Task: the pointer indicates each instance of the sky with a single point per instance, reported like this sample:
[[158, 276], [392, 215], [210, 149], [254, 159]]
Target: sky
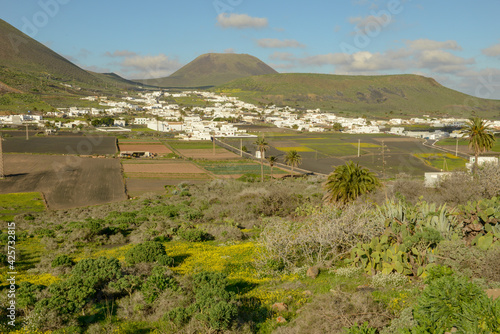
[[456, 42]]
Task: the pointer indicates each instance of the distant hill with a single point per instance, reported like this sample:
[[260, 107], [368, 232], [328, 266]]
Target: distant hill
[[213, 69], [379, 96], [28, 65], [22, 53]]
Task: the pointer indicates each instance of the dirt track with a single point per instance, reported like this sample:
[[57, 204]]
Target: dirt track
[[65, 181]]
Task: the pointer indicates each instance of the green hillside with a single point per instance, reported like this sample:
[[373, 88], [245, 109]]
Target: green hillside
[[380, 96], [20, 52], [33, 76], [213, 69]]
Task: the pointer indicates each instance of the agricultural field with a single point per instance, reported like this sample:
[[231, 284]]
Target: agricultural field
[[463, 145], [322, 152], [142, 176], [444, 161], [152, 147], [60, 144], [19, 203], [236, 169], [65, 181], [201, 150]]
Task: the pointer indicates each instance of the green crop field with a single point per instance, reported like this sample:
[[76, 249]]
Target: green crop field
[[17, 203], [465, 142], [444, 161], [223, 168]]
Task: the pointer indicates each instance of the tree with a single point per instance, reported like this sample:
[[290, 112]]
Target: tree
[[349, 181], [480, 138], [293, 159], [262, 146], [272, 160]]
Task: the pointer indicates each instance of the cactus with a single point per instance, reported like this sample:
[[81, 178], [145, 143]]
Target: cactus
[[480, 218]]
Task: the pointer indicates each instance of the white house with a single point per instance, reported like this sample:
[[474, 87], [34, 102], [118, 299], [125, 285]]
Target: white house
[[433, 179], [481, 161]]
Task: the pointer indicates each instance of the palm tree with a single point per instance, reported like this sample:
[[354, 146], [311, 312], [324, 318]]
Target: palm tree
[[349, 181], [272, 160], [293, 159], [479, 136], [262, 146]]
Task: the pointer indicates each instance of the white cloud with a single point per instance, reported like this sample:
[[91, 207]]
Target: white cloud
[[484, 83], [277, 43], [283, 56], [427, 44], [441, 61], [120, 53], [147, 67], [492, 51], [229, 50], [371, 25], [240, 21], [96, 69]]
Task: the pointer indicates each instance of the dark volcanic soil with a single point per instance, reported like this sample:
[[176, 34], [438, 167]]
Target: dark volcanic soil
[[65, 181]]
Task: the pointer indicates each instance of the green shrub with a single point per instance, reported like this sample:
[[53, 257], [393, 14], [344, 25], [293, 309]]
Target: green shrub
[[178, 315], [157, 282], [193, 234], [165, 260], [88, 278], [26, 294], [445, 300], [216, 305], [62, 260], [3, 259], [148, 252], [363, 329]]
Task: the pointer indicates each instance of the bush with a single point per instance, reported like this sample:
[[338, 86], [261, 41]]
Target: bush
[[165, 260], [444, 302], [62, 260], [363, 329], [179, 316], [215, 305], [321, 237], [159, 280], [193, 234], [148, 251]]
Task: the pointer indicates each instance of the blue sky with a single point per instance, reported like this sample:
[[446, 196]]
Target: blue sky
[[456, 42]]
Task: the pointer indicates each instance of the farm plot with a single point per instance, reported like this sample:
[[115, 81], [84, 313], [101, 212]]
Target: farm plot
[[65, 181], [77, 145], [443, 161], [145, 147], [322, 152], [162, 168], [152, 176], [202, 150], [17, 203], [463, 145], [237, 169]]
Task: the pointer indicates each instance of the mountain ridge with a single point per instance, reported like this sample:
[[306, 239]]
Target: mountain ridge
[[212, 69], [377, 95]]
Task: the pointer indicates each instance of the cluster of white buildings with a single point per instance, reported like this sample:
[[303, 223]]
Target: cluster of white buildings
[[202, 122]]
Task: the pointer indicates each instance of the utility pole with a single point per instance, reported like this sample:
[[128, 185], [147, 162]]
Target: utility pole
[[383, 159], [241, 147], [213, 141], [456, 148], [383, 169], [359, 147], [27, 138], [2, 175]]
